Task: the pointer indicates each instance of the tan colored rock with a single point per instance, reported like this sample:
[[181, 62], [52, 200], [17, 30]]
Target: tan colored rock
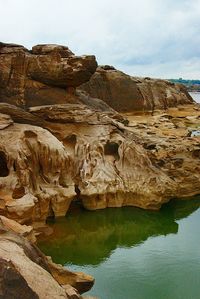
[[96, 159], [22, 230], [109, 168], [28, 273], [125, 93], [5, 121], [83, 149], [35, 175], [46, 49], [79, 280], [166, 137]]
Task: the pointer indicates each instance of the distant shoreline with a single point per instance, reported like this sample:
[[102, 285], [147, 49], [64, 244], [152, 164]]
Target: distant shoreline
[[191, 85]]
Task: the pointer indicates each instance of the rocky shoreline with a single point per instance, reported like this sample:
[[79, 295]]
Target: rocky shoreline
[[73, 131]]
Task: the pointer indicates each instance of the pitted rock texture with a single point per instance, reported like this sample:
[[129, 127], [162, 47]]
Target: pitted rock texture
[[127, 94], [25, 272], [87, 155], [35, 174]]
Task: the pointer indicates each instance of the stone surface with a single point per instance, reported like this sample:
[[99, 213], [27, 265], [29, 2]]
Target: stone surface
[[5, 121], [35, 174], [60, 144], [169, 145], [87, 155], [84, 150], [28, 273], [125, 93], [22, 230], [47, 74]]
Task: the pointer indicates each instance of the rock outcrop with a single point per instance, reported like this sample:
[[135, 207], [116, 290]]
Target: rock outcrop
[[129, 94], [44, 75], [40, 173], [25, 272], [81, 149], [62, 140]]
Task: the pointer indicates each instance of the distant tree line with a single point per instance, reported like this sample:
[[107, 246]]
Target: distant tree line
[[192, 85]]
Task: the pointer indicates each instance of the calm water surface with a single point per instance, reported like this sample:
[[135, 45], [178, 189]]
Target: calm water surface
[[196, 96], [133, 254]]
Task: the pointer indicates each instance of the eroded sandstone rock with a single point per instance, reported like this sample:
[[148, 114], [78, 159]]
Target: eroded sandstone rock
[[48, 72], [84, 150], [125, 93], [35, 175], [92, 157], [25, 272]]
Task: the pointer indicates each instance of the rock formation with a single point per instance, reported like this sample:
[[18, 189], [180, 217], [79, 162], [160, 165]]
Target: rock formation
[[62, 139], [81, 149], [129, 94], [28, 273], [46, 75]]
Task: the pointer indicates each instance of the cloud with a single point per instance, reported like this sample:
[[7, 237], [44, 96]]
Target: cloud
[[142, 37]]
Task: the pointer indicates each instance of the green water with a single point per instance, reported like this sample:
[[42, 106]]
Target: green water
[[133, 254]]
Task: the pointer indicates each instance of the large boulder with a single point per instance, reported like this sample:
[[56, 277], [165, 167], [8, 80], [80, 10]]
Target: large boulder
[[125, 93], [45, 72]]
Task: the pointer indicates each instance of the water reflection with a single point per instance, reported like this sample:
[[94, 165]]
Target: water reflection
[[88, 238]]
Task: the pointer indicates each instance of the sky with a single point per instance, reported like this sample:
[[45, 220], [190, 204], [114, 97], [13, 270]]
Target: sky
[[155, 38]]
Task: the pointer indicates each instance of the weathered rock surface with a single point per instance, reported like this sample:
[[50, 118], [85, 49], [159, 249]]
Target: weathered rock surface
[[35, 174], [92, 154], [44, 75], [125, 93], [26, 273], [84, 150], [59, 144]]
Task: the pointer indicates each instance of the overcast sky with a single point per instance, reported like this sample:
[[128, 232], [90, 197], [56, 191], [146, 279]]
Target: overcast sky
[[158, 38]]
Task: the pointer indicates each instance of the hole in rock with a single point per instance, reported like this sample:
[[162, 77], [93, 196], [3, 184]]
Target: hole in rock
[[196, 153], [111, 149], [30, 134], [76, 203], [4, 171], [18, 192], [14, 166], [149, 146], [70, 141], [51, 214]]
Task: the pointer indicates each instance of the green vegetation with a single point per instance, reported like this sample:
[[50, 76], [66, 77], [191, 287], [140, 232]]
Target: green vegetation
[[193, 85]]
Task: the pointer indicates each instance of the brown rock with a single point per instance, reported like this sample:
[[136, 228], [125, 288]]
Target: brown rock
[[46, 71], [125, 93], [13, 284], [80, 281], [5, 121], [46, 49], [61, 72], [21, 273], [83, 149]]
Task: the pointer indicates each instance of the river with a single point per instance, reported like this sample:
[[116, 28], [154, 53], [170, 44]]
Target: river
[[195, 96], [132, 253]]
